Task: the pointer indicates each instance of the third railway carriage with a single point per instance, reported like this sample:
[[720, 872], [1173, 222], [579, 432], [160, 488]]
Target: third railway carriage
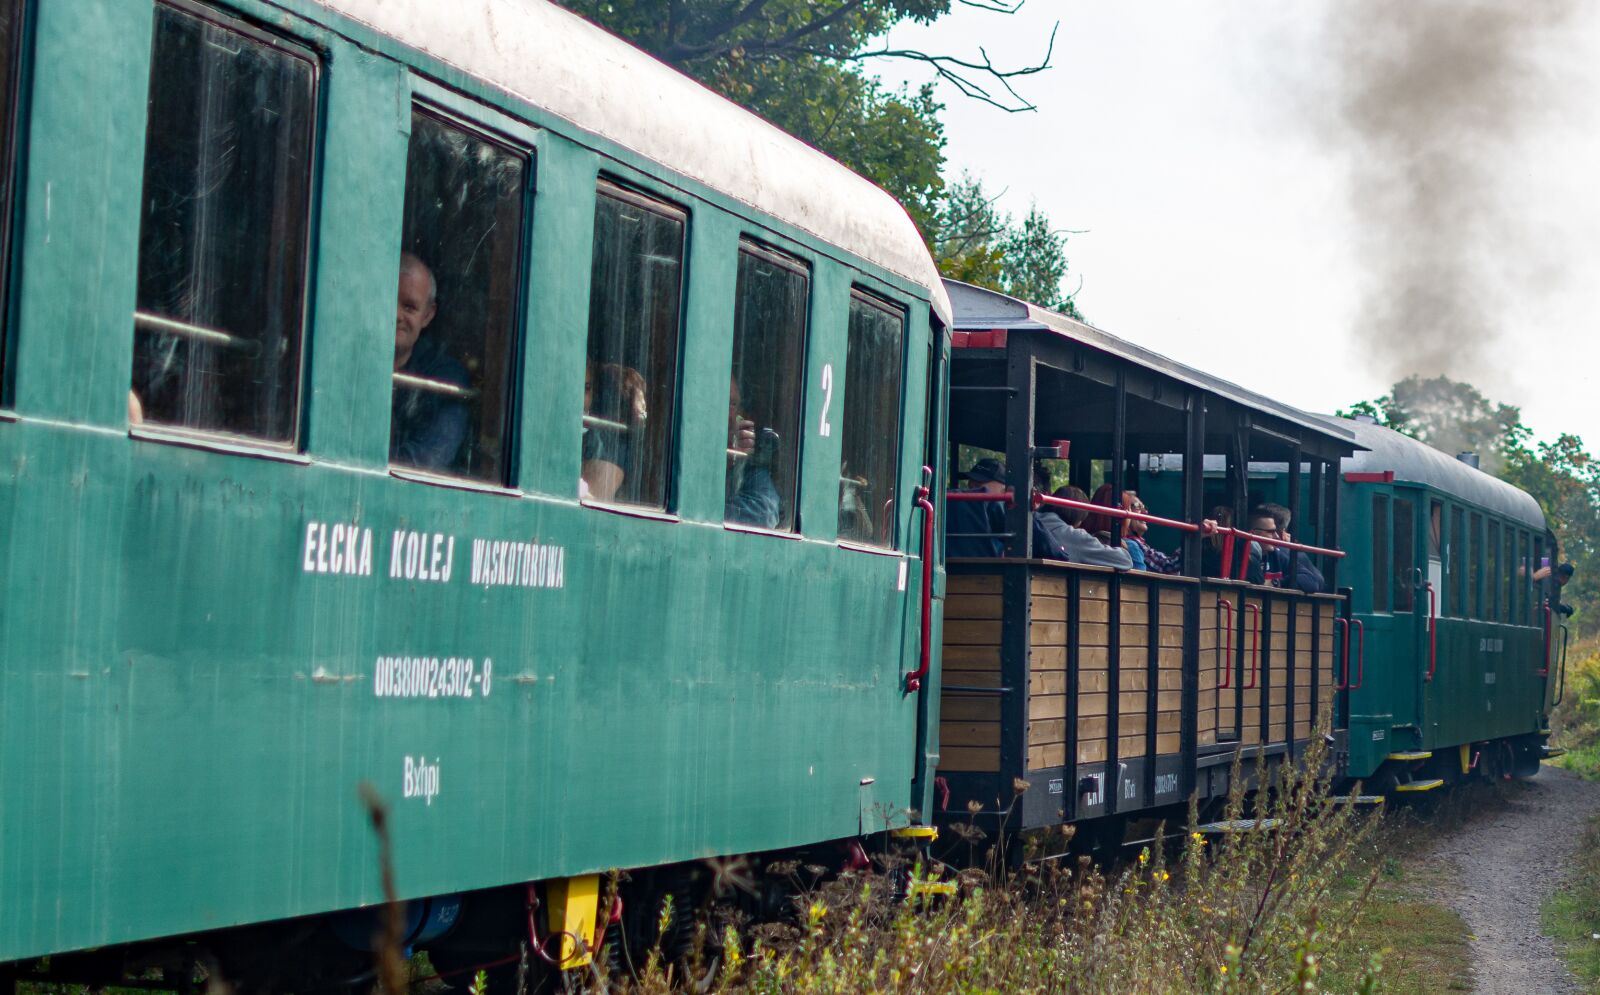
[[1460, 648]]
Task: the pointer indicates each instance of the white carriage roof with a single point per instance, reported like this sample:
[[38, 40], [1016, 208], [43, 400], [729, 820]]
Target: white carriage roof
[[1419, 463], [559, 62]]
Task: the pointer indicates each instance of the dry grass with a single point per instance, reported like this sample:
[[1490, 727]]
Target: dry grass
[[1267, 910]]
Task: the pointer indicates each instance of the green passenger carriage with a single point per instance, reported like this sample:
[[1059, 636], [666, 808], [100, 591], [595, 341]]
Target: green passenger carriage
[[1460, 663], [532, 579]]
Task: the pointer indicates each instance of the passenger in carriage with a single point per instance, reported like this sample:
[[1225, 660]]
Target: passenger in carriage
[[1115, 531], [1211, 552], [1155, 560], [1273, 520], [752, 497], [614, 409], [426, 427], [972, 527], [1060, 536]]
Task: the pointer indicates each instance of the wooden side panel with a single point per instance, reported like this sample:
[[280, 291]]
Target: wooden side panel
[[1218, 709], [1277, 664], [1094, 672], [1133, 662], [969, 723], [1250, 713], [1047, 671]]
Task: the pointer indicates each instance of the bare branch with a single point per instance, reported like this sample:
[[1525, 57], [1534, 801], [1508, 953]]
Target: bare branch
[[965, 75], [998, 6]]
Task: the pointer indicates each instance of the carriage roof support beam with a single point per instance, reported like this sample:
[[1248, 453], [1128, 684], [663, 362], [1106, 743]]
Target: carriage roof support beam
[[1022, 376], [1194, 480], [1119, 440]]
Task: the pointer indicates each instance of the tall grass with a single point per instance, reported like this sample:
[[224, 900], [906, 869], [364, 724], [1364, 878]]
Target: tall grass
[[1575, 726], [1258, 910]]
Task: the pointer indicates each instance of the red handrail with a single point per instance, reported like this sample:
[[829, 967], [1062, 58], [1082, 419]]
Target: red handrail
[[1549, 617], [1361, 656], [1433, 630], [1227, 555], [1008, 497], [1255, 646], [914, 679], [1100, 509], [1286, 544], [1344, 681], [1227, 670]]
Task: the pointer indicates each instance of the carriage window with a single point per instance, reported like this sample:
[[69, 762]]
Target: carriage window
[[1508, 580], [222, 240], [630, 383], [764, 393], [1491, 580], [1455, 560], [1405, 559], [1524, 582], [1380, 553], [10, 52], [1536, 588], [456, 312], [870, 422], [1435, 520], [1474, 578]]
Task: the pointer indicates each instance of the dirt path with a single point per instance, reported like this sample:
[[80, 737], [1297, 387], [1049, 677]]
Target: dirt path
[[1506, 860]]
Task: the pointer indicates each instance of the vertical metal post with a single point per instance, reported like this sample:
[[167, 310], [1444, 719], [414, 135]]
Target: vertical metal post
[[1021, 373], [1294, 514], [1330, 538], [1194, 481], [1152, 689], [1113, 687], [1021, 377], [1070, 808], [1239, 491], [1189, 728], [1119, 447]]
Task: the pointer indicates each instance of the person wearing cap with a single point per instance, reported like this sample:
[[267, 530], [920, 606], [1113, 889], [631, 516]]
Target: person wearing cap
[[973, 528]]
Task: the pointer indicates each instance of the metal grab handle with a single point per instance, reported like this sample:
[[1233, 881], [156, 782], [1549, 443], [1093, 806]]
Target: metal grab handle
[[1255, 646], [1227, 656], [1549, 618], [1433, 631], [1561, 687], [1344, 681], [1361, 655], [914, 679]]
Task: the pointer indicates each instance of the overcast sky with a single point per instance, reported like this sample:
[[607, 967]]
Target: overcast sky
[[1314, 198]]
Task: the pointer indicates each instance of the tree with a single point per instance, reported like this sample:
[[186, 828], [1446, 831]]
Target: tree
[[975, 242], [1452, 417], [797, 63]]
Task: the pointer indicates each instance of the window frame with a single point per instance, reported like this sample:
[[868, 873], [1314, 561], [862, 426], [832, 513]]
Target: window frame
[[294, 449], [1406, 581], [762, 246], [1382, 533], [641, 192], [12, 174], [885, 301], [1492, 568], [471, 115]]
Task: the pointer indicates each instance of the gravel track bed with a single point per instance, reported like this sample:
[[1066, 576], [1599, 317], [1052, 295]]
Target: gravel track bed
[[1506, 860]]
